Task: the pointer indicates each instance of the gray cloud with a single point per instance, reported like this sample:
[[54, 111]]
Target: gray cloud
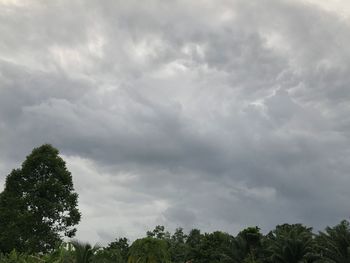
[[193, 114]]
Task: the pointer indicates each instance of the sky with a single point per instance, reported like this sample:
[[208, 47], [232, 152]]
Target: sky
[[215, 115]]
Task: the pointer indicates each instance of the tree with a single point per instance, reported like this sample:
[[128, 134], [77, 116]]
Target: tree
[[177, 247], [107, 255], [14, 257], [63, 254], [84, 252], [159, 232], [38, 205], [216, 247], [292, 244], [247, 245], [122, 246], [193, 243], [149, 250], [334, 243]]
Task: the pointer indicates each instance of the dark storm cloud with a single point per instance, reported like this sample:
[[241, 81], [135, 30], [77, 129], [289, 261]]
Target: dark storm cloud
[[195, 114]]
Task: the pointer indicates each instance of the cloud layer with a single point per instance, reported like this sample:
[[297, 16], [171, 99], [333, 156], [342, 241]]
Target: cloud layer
[[216, 115]]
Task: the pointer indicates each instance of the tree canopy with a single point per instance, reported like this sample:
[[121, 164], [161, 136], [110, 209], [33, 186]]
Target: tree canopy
[[38, 205], [149, 250]]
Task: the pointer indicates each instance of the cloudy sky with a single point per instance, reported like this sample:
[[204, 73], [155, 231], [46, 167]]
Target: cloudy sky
[[209, 114]]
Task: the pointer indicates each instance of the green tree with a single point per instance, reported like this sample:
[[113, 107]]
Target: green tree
[[334, 243], [122, 246], [193, 243], [292, 244], [216, 247], [149, 250], [84, 252], [240, 250], [13, 257], [159, 232], [177, 246], [247, 245], [38, 205], [62, 254], [107, 255]]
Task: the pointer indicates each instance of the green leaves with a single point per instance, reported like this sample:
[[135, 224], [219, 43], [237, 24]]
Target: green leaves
[[334, 243], [285, 244], [291, 244], [84, 252], [38, 205], [120, 246], [149, 250]]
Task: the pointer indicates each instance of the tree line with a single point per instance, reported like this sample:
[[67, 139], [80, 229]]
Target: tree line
[[38, 211], [287, 243]]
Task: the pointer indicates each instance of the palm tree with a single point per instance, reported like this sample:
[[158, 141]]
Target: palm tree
[[84, 252], [334, 244], [63, 254], [247, 245], [291, 244]]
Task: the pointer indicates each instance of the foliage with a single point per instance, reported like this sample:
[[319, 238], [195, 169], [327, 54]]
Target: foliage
[[84, 252], [292, 244], [38, 204], [63, 254], [120, 246], [193, 243], [334, 243], [149, 250], [247, 245], [178, 249], [38, 207], [108, 256], [216, 247], [15, 257], [159, 232], [285, 244]]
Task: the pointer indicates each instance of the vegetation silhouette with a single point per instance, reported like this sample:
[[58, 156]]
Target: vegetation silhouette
[[38, 208]]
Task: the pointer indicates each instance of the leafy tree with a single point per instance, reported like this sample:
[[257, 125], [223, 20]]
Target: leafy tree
[[209, 247], [122, 246], [38, 205], [292, 244], [149, 250], [179, 236], [216, 247], [247, 245], [193, 243], [159, 232], [240, 250], [334, 243], [177, 246]]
